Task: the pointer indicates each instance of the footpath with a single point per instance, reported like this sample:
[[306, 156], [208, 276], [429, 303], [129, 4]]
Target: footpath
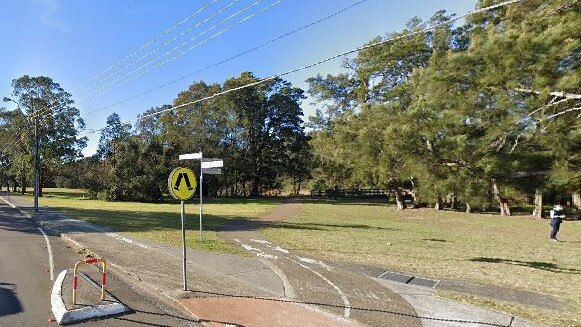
[[273, 287]]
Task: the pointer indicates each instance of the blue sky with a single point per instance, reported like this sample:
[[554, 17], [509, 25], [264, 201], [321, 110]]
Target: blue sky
[[74, 41]]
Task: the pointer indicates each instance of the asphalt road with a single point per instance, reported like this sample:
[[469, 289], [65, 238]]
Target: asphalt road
[[25, 280]]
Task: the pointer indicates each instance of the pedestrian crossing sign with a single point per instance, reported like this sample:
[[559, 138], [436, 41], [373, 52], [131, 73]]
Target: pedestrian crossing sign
[[182, 183]]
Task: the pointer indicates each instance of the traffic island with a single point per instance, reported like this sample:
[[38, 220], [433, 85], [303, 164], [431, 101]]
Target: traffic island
[[91, 301]]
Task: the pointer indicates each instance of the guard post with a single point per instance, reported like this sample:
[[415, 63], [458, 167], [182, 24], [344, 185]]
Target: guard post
[[103, 276]]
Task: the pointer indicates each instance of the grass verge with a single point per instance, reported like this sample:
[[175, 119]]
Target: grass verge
[[159, 222]]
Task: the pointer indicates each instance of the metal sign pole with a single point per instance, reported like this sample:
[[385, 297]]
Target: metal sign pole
[[183, 214], [201, 202]]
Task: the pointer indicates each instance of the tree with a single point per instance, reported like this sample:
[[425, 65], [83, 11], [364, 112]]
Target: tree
[[268, 117], [114, 130], [366, 134], [46, 104]]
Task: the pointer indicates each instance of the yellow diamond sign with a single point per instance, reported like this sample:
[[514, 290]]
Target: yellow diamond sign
[[182, 183]]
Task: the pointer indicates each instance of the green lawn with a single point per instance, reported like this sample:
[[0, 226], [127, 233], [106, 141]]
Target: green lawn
[[159, 222], [512, 252]]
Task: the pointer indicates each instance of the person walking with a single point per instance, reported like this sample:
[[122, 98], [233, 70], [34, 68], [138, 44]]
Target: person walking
[[557, 216]]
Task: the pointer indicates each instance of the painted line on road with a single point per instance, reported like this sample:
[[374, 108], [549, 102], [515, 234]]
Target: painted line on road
[[346, 304], [49, 249], [315, 262], [26, 214], [288, 290]]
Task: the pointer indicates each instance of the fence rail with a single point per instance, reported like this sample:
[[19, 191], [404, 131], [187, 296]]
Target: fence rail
[[349, 192]]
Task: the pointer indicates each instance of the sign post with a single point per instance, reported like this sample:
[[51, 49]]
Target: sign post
[[182, 185], [201, 194], [207, 166]]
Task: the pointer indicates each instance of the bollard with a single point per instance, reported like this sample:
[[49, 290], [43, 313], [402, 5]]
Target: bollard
[[103, 276]]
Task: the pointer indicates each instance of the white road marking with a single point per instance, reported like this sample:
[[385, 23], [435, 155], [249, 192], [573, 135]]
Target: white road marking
[[315, 262], [289, 292], [325, 313], [126, 240], [279, 249], [346, 304], [266, 256], [259, 253], [248, 247], [50, 258], [260, 241]]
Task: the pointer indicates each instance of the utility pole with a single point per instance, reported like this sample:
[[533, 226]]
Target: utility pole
[[36, 157], [36, 161]]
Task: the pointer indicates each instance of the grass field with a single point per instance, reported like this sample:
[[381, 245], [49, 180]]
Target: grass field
[[159, 222], [512, 252]]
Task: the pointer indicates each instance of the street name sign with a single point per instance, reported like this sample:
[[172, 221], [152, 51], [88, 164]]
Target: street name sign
[[212, 171], [213, 164], [189, 156]]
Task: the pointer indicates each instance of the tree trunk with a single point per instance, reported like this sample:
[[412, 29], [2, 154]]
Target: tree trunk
[[502, 201], [23, 183], [400, 203], [577, 200], [414, 193], [255, 187], [299, 187], [438, 205], [506, 209], [452, 201], [468, 208], [538, 212]]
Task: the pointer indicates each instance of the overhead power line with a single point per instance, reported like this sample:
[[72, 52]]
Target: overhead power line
[[170, 41], [155, 39], [278, 38], [126, 78], [343, 54]]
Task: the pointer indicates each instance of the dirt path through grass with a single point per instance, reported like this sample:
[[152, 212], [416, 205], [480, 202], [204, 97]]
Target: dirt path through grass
[[284, 211]]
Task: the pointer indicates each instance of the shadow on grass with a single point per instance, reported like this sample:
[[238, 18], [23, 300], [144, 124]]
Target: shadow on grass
[[375, 201], [146, 221], [141, 221], [531, 264], [314, 226]]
